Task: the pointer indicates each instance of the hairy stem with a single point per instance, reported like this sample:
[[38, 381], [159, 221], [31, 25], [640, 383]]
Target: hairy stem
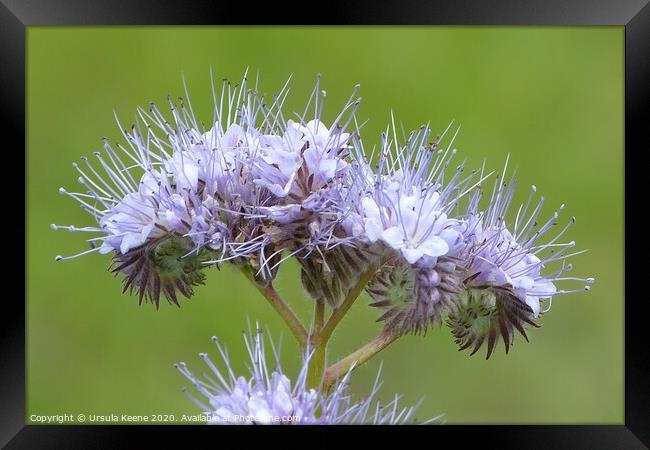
[[357, 358], [282, 308]]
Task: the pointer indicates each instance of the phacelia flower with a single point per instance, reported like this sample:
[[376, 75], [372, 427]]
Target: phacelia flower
[[304, 165], [246, 190], [255, 188], [508, 265], [402, 208], [403, 204], [269, 397]]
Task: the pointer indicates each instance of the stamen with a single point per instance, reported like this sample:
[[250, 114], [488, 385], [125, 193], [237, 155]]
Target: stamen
[[64, 258]]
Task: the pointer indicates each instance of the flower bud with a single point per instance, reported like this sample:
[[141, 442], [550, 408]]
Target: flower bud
[[330, 275], [487, 315], [166, 265], [412, 297]]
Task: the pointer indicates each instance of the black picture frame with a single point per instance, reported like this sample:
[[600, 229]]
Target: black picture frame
[[634, 15]]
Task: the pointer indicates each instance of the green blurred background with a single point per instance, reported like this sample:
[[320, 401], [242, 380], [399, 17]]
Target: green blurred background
[[551, 97]]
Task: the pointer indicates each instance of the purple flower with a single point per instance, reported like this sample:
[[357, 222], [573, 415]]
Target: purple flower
[[268, 397], [304, 160], [507, 269], [515, 260], [247, 190], [400, 210], [404, 202], [256, 188], [176, 182]]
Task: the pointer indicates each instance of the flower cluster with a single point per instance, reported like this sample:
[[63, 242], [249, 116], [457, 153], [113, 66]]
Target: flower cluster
[[255, 188], [269, 397], [179, 198]]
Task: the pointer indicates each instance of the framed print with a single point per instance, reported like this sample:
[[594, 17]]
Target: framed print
[[384, 216]]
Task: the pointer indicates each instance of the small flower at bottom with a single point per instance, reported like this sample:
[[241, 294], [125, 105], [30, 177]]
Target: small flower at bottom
[[269, 397]]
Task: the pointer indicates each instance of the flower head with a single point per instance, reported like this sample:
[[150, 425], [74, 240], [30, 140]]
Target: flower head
[[510, 264], [268, 396], [401, 210], [176, 191], [249, 188], [255, 188], [304, 165], [403, 203]]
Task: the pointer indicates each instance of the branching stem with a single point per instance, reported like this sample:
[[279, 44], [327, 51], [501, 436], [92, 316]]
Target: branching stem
[[358, 357], [283, 309], [316, 341]]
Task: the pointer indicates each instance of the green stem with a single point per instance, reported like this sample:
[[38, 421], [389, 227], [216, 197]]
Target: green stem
[[357, 358], [349, 300], [317, 360], [285, 311], [322, 333], [319, 315], [316, 366]]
